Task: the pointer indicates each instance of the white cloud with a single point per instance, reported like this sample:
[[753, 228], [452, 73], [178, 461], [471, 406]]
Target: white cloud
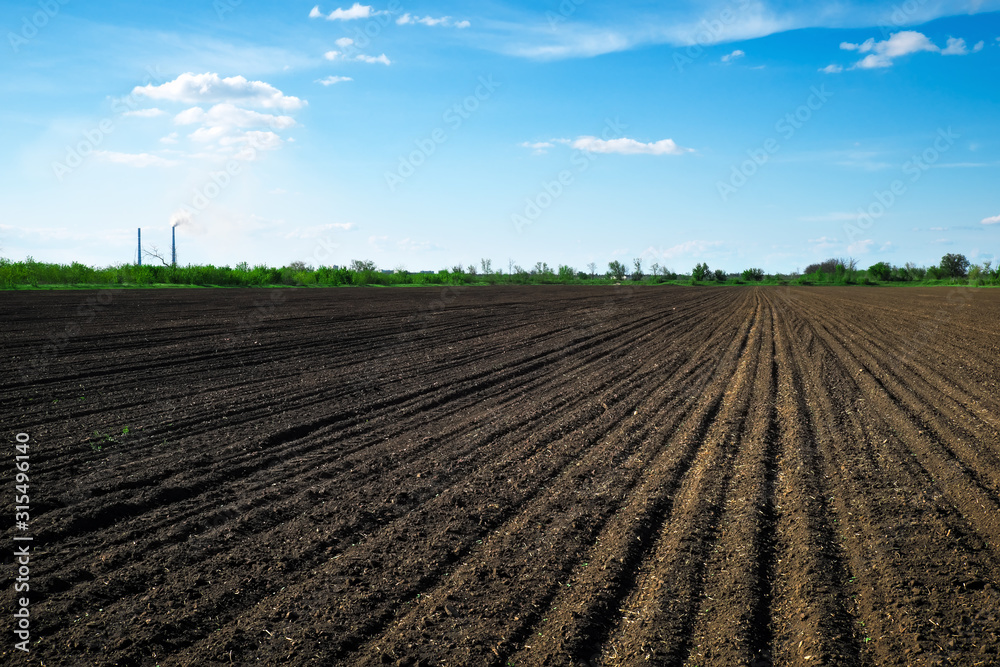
[[229, 115], [145, 113], [693, 26], [356, 11], [138, 160], [625, 146], [824, 240], [444, 21], [317, 231], [335, 55], [260, 139], [169, 139], [832, 69], [687, 249], [887, 247], [538, 147], [979, 46], [861, 247], [240, 132], [209, 87], [375, 59], [412, 245], [956, 47], [991, 221], [331, 80], [881, 54], [344, 42], [735, 55]]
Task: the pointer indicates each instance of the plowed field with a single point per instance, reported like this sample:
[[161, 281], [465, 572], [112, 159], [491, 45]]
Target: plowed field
[[503, 476]]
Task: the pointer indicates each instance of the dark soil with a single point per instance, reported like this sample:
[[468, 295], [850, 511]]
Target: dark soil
[[507, 476]]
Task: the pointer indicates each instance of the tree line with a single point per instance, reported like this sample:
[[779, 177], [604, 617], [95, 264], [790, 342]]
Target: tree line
[[953, 268]]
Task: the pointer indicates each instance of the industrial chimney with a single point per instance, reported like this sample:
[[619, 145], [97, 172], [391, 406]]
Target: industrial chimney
[[140, 247], [173, 246]]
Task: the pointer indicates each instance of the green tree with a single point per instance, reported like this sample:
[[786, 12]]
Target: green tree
[[753, 275], [880, 271], [616, 270], [700, 272], [637, 272], [542, 269], [954, 266]]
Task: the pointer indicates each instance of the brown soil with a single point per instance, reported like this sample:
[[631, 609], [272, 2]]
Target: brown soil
[[502, 476]]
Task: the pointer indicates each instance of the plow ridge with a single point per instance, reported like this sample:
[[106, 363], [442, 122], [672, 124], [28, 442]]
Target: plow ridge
[[541, 476]]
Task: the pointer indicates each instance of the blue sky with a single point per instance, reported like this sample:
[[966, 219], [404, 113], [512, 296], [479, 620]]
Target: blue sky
[[426, 134]]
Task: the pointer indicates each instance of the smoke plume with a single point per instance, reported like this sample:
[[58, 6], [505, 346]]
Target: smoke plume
[[181, 217]]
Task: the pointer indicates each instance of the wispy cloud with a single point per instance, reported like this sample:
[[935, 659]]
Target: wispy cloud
[[991, 221], [373, 60], [331, 80], [861, 247], [735, 55], [337, 55], [626, 146], [696, 248], [144, 113], [538, 147], [698, 25], [317, 231], [138, 160], [824, 243], [444, 21], [230, 115]]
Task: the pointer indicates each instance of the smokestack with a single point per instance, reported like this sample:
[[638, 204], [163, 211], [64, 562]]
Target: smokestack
[[173, 246], [140, 246]]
